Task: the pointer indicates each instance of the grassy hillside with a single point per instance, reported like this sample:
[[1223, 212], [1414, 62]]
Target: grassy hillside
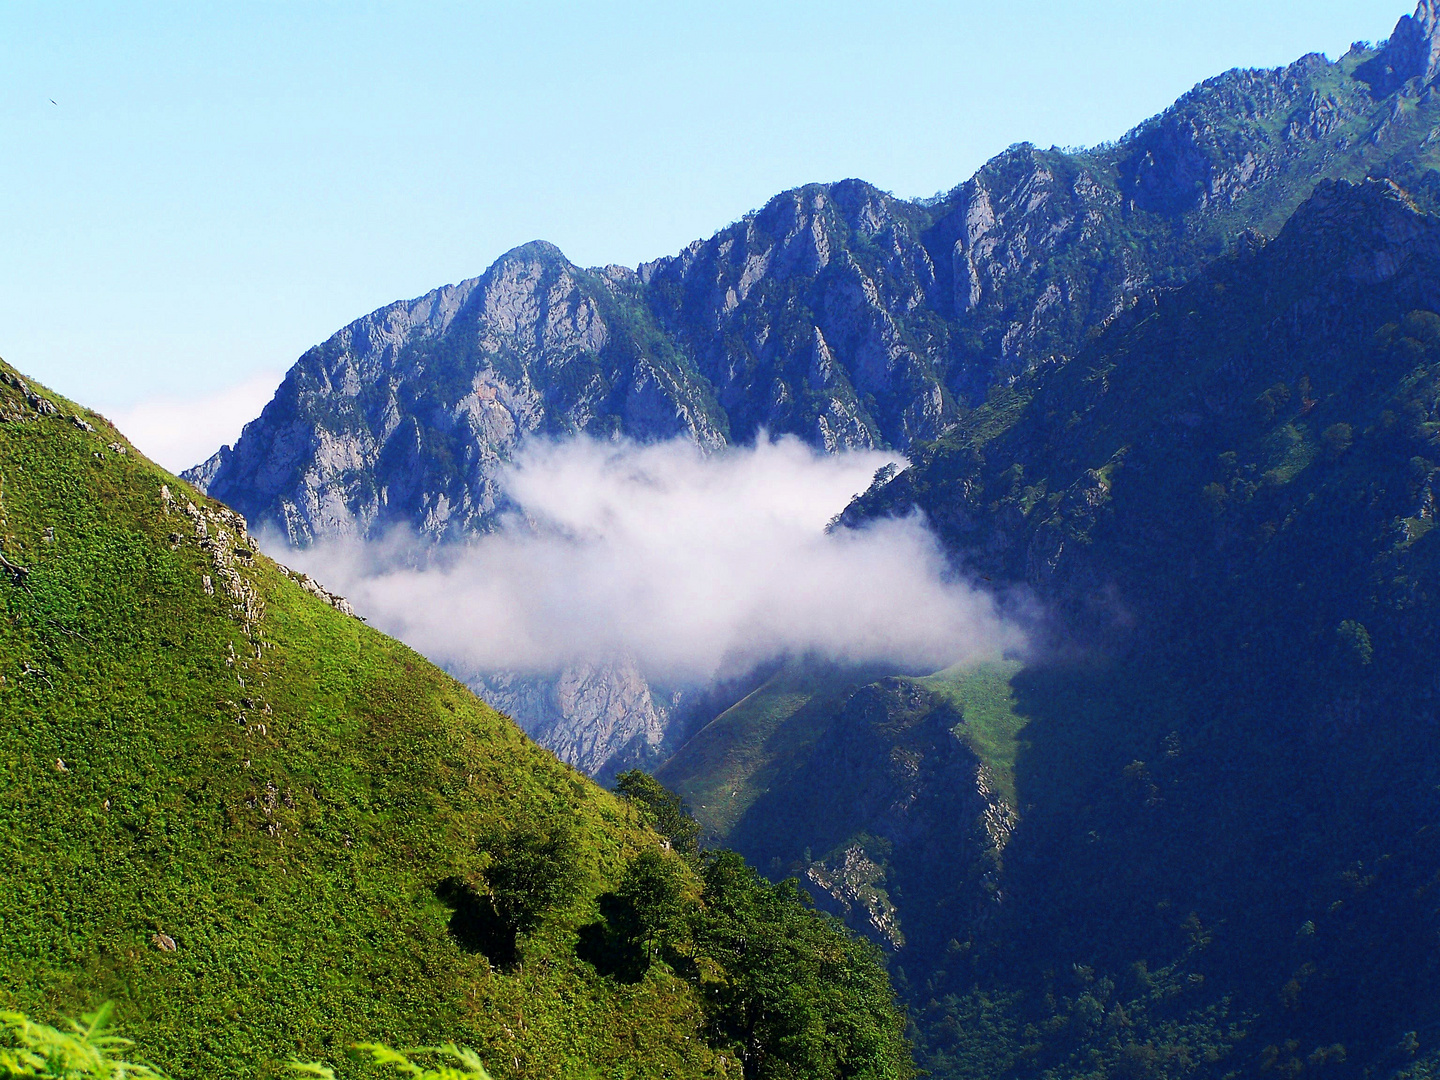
[[755, 748], [228, 806], [982, 694], [742, 753]]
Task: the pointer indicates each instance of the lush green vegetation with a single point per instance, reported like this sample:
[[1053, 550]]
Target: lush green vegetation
[[264, 830], [88, 1050], [830, 1016], [791, 994], [664, 811], [469, 1066], [982, 694], [236, 827]]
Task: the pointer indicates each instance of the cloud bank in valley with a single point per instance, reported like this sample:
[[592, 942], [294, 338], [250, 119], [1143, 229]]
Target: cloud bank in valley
[[692, 564]]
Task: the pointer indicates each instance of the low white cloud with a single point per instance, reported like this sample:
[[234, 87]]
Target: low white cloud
[[179, 432], [692, 564]]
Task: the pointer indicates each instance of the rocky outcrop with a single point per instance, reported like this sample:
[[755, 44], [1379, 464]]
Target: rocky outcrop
[[598, 717], [1413, 52], [809, 317], [406, 415], [854, 883]]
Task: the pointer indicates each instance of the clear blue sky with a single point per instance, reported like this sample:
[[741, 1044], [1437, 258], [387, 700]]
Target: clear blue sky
[[219, 186]]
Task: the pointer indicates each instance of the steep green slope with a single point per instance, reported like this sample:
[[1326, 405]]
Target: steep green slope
[[725, 766], [228, 806], [755, 746]]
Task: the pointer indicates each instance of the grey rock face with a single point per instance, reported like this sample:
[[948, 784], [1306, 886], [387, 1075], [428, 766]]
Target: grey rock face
[[809, 317], [854, 883], [405, 415], [203, 475], [597, 717]]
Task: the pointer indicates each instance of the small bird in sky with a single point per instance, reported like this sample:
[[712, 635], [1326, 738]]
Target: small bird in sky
[[53, 101]]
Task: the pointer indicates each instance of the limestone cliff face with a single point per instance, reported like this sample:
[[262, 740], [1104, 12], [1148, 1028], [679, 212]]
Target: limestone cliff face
[[404, 416], [810, 316], [600, 718]]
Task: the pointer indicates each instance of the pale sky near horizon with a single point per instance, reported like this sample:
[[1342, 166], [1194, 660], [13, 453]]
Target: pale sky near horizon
[[216, 187]]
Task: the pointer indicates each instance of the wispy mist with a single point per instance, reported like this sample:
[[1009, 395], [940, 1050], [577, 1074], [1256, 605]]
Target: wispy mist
[[691, 564]]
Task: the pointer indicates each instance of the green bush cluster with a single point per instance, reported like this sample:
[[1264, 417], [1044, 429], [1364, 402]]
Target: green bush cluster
[[786, 991]]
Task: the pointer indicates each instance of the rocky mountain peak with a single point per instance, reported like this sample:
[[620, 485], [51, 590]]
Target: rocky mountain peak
[[1413, 51], [540, 252]]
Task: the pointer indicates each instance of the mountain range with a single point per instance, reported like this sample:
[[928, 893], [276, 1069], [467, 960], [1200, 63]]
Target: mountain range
[[1181, 390], [836, 313]]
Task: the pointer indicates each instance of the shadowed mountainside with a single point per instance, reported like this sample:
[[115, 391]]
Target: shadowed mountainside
[[1227, 776]]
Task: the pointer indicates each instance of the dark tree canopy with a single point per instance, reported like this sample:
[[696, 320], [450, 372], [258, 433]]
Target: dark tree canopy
[[532, 869], [801, 996]]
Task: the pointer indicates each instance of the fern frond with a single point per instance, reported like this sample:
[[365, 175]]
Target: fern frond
[[311, 1068]]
